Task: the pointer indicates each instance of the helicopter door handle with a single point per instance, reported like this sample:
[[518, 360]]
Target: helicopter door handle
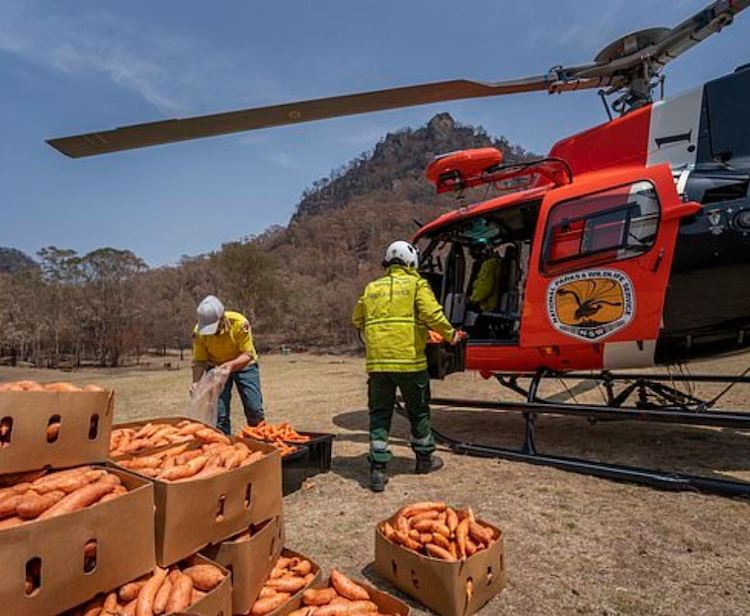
[[659, 259]]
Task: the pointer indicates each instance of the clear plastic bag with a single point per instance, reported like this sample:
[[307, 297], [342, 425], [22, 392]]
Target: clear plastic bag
[[204, 397]]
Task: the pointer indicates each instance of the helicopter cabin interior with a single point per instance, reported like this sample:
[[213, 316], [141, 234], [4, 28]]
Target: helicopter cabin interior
[[454, 256], [590, 230]]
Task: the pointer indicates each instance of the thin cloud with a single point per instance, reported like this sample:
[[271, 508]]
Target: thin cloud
[[135, 57]]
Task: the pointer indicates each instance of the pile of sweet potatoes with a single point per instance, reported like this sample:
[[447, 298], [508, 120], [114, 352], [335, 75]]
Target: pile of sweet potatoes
[[439, 531], [124, 441], [40, 495], [289, 576], [34, 386], [342, 598], [163, 591], [181, 462]]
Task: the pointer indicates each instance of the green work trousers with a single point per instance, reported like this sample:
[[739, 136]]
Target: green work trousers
[[415, 390]]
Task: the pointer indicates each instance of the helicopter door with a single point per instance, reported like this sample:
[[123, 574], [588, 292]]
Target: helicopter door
[[600, 265]]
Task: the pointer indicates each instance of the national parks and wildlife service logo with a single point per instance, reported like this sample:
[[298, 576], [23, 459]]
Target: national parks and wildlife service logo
[[592, 304]]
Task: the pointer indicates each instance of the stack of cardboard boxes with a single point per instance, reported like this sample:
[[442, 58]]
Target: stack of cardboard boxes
[[231, 519]]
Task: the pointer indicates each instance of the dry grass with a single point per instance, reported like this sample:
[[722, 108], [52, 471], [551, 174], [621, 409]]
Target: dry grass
[[575, 544]]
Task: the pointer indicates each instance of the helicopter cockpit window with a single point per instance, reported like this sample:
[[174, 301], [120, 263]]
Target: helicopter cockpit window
[[611, 225]]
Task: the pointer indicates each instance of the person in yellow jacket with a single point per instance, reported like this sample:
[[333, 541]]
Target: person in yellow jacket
[[484, 291], [394, 315], [223, 340]]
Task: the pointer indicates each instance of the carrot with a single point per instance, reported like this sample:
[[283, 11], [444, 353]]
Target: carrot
[[182, 592], [319, 597], [33, 504], [205, 577], [346, 587], [83, 497], [437, 552], [145, 602], [269, 604]]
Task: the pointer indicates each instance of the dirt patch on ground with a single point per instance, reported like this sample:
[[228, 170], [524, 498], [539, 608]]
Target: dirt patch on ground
[[575, 544]]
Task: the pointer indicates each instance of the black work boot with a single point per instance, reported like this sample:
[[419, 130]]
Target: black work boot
[[378, 477], [427, 463]]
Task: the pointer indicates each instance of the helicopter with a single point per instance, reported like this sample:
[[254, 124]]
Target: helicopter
[[627, 246]]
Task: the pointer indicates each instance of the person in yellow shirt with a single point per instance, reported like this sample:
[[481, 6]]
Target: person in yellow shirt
[[484, 291], [395, 314], [223, 339]]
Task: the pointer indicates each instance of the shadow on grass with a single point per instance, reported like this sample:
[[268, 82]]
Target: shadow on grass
[[357, 468]]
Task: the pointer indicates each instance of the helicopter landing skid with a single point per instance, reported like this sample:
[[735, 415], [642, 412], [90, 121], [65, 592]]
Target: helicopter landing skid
[[676, 407]]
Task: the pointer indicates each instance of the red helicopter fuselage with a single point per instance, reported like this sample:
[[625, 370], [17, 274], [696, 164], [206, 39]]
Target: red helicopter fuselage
[[640, 256]]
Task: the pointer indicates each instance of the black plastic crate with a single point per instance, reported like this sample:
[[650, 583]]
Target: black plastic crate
[[320, 452], [295, 469]]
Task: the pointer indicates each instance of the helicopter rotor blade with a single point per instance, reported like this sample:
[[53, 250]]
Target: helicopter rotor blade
[[168, 131]]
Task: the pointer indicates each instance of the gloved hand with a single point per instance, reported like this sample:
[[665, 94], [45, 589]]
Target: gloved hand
[[458, 336]]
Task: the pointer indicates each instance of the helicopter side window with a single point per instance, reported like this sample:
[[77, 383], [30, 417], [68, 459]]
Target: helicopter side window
[[611, 225]]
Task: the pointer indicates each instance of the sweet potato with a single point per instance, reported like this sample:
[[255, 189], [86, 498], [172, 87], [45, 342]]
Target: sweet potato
[[303, 611], [269, 604], [290, 584], [182, 592], [480, 534], [9, 503], [416, 508], [437, 552], [83, 497], [406, 541], [302, 568], [205, 577], [33, 504], [60, 387], [53, 431], [388, 530], [145, 602], [451, 519], [130, 591], [346, 588], [110, 602], [185, 471], [319, 597], [265, 592], [162, 595], [10, 522], [462, 532], [440, 540], [93, 388], [425, 515]]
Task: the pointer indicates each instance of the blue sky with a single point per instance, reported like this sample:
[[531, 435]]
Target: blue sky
[[78, 66]]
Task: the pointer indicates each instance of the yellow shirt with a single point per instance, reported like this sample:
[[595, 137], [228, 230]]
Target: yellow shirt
[[227, 344]]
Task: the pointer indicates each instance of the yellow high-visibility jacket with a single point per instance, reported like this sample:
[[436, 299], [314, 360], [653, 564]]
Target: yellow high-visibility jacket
[[395, 312], [235, 338], [484, 290]]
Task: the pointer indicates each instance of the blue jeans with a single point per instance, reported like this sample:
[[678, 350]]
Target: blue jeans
[[248, 386]]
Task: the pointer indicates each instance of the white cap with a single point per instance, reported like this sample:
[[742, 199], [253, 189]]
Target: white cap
[[210, 311]]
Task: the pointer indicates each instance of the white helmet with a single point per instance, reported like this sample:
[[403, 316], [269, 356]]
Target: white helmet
[[402, 252]]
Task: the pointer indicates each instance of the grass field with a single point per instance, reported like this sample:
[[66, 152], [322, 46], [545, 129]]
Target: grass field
[[575, 544]]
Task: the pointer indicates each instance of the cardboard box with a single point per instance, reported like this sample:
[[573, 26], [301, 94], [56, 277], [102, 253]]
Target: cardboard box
[[439, 584], [123, 529], [295, 601], [387, 604], [85, 422], [192, 514], [216, 603], [249, 561]]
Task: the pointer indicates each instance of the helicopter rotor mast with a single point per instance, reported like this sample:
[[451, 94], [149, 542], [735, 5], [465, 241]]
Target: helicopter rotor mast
[[629, 68]]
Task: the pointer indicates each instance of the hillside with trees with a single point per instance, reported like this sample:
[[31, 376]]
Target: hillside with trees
[[297, 283]]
